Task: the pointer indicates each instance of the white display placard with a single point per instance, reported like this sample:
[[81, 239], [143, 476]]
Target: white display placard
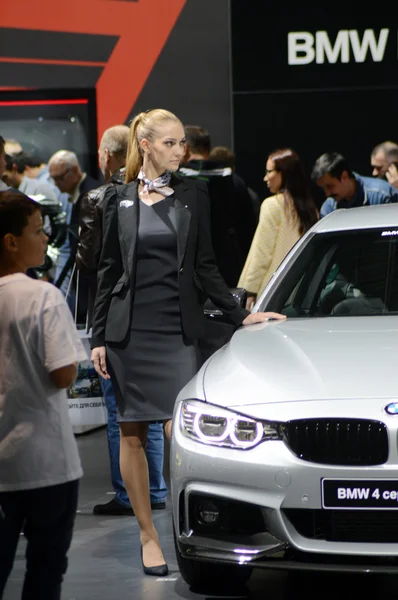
[[87, 409]]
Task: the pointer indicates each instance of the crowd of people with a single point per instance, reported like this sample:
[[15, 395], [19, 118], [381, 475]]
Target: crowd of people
[[171, 225]]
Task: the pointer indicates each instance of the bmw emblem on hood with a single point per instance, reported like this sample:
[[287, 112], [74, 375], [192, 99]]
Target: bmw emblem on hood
[[392, 408]]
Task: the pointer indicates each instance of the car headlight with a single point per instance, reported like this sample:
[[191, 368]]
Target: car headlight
[[217, 426]]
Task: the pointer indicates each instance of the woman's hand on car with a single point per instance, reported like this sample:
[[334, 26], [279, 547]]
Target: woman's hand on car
[[98, 357], [262, 317]]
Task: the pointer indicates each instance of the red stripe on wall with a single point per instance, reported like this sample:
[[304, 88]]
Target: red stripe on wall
[[42, 102], [51, 61]]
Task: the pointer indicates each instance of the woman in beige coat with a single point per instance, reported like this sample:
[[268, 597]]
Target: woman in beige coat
[[284, 218]]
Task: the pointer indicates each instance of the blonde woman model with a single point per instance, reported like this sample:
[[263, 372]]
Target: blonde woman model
[[156, 267]]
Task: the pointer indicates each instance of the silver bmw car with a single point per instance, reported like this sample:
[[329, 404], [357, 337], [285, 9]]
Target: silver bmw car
[[285, 444]]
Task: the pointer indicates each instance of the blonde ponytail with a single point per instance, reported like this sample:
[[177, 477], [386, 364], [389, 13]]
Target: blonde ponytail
[[143, 126], [134, 157]]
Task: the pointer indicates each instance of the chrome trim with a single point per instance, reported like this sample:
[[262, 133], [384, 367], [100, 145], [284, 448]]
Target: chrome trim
[[257, 546], [279, 555]]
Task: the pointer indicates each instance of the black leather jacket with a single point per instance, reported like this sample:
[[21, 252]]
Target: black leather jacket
[[90, 234]]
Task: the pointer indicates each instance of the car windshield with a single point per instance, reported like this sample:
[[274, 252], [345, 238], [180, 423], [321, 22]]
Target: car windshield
[[352, 273]]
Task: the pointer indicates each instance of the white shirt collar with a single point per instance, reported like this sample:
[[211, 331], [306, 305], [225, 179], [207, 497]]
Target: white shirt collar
[[75, 196]]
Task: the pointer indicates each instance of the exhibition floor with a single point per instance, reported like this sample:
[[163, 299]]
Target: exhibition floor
[[104, 561]]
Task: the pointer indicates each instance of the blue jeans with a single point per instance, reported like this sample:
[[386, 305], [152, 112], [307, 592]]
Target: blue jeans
[[154, 452]]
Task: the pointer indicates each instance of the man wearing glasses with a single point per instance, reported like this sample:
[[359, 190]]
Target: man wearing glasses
[[65, 171]]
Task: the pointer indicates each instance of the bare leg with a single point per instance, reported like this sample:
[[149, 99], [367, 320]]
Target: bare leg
[[167, 429], [134, 469]]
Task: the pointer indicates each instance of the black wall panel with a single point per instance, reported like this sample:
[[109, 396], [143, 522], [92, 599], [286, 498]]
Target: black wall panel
[[345, 99]]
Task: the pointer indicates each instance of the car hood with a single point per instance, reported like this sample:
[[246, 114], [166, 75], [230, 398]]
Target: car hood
[[335, 358]]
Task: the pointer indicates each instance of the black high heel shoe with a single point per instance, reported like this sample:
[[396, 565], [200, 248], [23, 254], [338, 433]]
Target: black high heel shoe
[[159, 571]]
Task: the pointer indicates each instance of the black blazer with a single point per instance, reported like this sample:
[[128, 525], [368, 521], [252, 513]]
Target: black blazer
[[198, 273]]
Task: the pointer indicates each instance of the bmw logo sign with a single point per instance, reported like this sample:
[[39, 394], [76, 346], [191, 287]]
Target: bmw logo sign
[[392, 408]]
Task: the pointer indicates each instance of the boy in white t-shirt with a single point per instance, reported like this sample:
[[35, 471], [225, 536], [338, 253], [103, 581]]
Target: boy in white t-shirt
[[39, 460]]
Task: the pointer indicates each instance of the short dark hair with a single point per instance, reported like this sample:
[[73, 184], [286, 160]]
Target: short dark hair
[[2, 144], [19, 160], [9, 162], [15, 210], [198, 139], [330, 163], [223, 155], [31, 159]]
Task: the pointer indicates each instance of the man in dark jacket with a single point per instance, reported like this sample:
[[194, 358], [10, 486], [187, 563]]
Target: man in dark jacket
[[225, 157], [112, 158], [233, 221]]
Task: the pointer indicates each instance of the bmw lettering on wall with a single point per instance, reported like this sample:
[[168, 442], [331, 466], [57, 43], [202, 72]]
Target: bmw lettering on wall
[[284, 451]]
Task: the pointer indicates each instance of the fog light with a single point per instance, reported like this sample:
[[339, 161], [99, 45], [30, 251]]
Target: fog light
[[209, 513]]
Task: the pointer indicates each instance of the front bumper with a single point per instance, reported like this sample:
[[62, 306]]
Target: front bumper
[[272, 483]]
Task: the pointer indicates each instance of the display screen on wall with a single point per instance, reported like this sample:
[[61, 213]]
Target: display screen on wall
[[50, 120]]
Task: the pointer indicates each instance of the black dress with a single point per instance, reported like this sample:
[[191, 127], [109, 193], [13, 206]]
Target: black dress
[[156, 361]]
